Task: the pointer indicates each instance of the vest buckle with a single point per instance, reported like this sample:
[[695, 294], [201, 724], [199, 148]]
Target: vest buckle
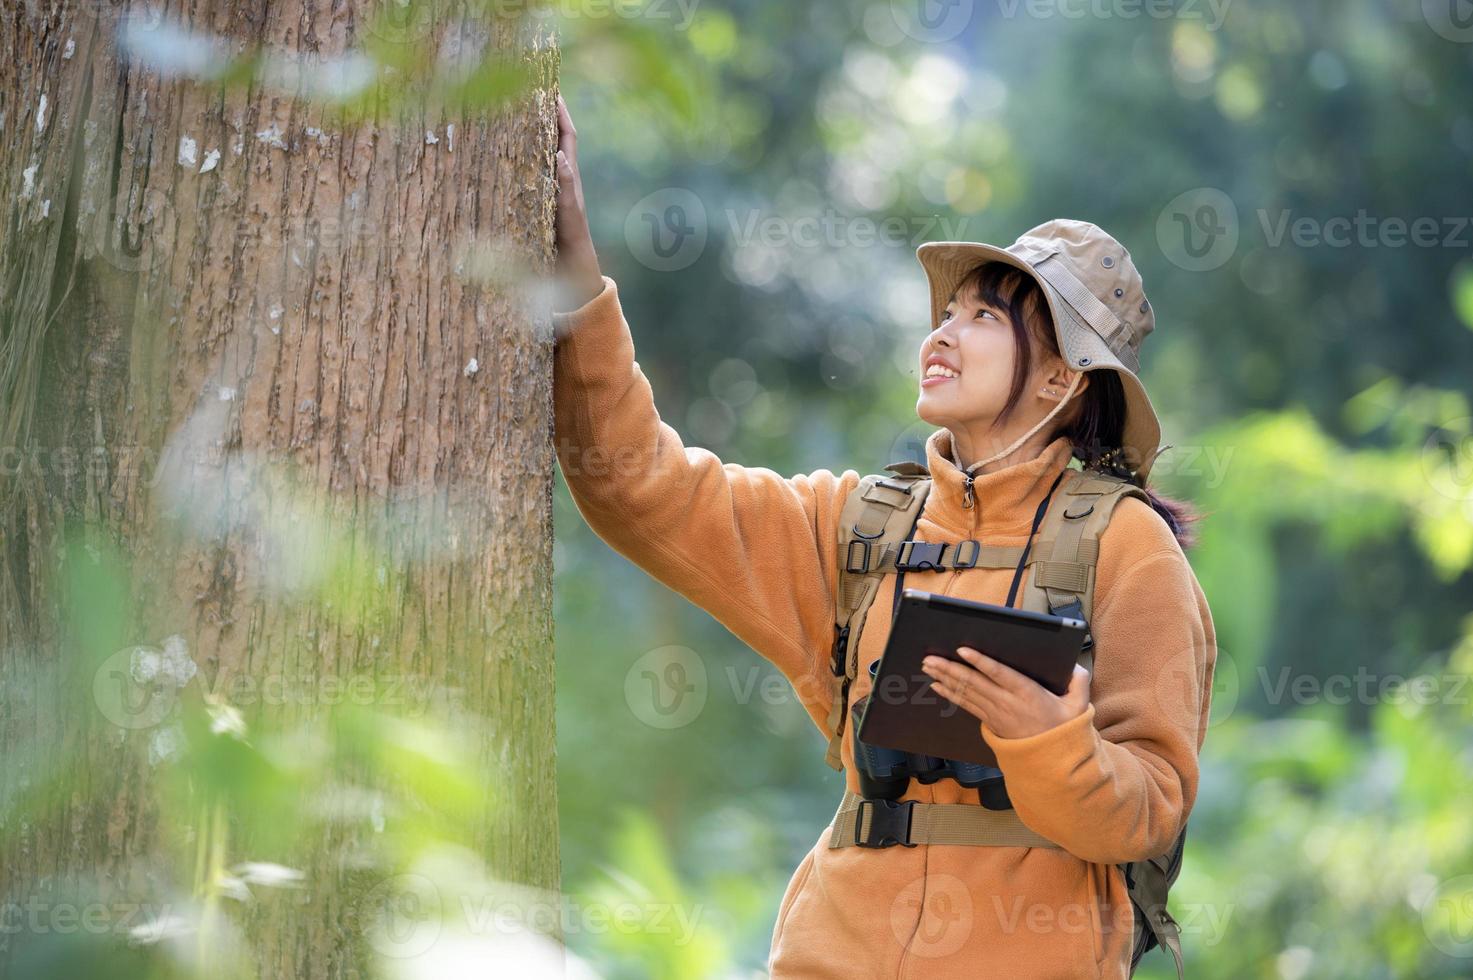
[[920, 556], [889, 823]]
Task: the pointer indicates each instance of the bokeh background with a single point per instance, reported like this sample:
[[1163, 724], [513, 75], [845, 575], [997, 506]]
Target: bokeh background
[[1293, 180], [1291, 176]]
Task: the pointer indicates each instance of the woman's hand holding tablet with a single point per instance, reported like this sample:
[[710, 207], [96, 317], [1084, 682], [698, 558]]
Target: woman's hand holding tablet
[[1013, 704], [1029, 680]]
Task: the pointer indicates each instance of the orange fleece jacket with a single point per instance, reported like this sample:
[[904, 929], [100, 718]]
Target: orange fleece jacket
[[758, 552]]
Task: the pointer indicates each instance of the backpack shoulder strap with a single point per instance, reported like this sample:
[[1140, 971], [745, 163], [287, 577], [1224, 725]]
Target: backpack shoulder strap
[[878, 514], [1063, 578], [1062, 583]]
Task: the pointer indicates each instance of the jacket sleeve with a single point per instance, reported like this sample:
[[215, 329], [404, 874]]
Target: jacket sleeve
[[1116, 783], [754, 549]]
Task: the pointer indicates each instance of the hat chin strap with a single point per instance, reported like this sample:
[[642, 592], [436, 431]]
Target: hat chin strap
[[1068, 393]]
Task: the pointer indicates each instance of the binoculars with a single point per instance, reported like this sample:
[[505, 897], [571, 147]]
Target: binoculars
[[885, 773]]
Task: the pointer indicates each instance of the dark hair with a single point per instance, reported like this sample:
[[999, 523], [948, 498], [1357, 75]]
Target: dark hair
[[1096, 426]]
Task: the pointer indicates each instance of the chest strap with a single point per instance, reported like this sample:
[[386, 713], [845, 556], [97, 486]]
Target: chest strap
[[862, 822], [926, 556]]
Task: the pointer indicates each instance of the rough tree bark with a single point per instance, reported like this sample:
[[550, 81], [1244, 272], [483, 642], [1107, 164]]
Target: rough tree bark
[[266, 352]]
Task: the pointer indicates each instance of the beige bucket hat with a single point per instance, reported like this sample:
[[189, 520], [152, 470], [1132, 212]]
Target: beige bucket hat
[[1099, 306]]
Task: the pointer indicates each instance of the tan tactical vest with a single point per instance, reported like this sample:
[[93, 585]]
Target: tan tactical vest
[[876, 519]]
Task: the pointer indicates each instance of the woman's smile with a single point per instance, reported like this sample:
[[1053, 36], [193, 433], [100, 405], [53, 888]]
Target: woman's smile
[[938, 370]]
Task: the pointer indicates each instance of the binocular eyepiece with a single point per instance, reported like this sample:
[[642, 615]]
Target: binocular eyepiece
[[885, 773]]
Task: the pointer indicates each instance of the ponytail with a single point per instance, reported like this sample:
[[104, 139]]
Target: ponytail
[[1180, 515]]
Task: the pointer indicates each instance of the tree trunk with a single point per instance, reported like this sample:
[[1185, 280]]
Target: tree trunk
[[276, 417]]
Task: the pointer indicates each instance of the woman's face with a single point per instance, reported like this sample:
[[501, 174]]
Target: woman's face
[[975, 341]]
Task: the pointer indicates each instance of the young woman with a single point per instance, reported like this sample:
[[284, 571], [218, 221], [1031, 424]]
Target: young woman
[[1030, 363]]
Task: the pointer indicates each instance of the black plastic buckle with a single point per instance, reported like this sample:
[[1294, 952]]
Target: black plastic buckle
[[1074, 609], [841, 647], [862, 566], [889, 823], [929, 559]]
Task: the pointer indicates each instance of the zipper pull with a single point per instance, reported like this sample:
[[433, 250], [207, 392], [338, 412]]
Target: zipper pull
[[967, 497]]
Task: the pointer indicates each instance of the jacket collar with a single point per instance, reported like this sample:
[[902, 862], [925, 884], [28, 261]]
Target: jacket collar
[[1004, 500]]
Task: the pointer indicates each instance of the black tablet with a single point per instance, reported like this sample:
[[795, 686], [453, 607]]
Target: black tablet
[[905, 713]]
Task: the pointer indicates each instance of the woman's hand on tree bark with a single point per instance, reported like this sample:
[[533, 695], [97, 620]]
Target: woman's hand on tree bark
[[577, 275]]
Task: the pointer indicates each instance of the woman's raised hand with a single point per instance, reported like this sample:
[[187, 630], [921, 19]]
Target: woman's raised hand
[[577, 274]]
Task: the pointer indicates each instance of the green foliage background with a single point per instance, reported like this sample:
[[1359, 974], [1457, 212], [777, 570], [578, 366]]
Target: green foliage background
[[1314, 384], [1316, 388]]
